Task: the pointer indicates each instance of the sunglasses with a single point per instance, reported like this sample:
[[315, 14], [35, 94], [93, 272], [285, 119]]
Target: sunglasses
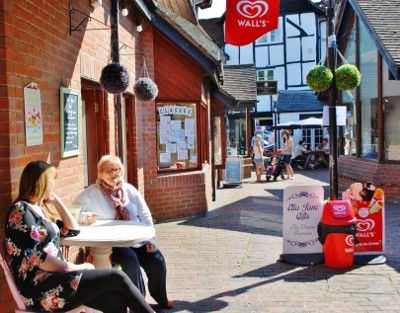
[[111, 170]]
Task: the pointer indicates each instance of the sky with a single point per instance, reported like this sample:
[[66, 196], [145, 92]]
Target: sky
[[216, 10]]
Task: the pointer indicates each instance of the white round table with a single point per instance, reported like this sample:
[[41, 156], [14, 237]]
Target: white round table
[[103, 235]]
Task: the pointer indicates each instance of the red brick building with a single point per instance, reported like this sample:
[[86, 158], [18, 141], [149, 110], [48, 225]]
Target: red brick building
[[52, 51]]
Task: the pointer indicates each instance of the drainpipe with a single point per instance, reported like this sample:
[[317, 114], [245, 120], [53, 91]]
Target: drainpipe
[[114, 19]]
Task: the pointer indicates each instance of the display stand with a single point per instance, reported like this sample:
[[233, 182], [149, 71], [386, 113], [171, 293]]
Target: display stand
[[302, 210], [234, 172]]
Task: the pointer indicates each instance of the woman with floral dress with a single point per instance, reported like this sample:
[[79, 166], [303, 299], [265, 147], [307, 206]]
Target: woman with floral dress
[[44, 279]]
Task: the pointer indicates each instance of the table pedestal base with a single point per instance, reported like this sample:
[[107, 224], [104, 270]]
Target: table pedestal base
[[101, 257]]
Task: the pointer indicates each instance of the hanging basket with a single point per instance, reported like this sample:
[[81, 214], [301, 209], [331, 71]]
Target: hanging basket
[[114, 78], [347, 77], [319, 78], [145, 89]]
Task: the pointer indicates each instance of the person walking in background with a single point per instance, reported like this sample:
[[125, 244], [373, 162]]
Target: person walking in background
[[45, 280], [258, 156], [287, 153], [112, 198]]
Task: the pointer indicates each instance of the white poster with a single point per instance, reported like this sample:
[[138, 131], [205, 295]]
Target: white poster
[[340, 116]]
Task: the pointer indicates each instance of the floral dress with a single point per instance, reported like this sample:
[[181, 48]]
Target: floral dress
[[30, 237]]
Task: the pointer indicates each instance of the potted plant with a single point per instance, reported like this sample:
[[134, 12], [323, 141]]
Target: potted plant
[[145, 89], [347, 76], [114, 78], [319, 78]]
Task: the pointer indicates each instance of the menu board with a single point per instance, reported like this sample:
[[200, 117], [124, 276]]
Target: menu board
[[70, 121]]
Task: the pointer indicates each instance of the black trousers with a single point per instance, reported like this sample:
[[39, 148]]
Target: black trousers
[[110, 291], [153, 264]]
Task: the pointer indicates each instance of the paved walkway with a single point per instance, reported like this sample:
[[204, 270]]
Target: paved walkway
[[228, 261]]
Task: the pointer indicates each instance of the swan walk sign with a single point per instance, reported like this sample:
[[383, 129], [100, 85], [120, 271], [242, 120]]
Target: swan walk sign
[[247, 20]]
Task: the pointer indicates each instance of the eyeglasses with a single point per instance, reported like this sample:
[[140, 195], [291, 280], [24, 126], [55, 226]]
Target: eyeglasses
[[111, 170]]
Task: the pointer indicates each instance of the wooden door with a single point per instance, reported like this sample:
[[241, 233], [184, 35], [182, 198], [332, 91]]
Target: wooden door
[[95, 143]]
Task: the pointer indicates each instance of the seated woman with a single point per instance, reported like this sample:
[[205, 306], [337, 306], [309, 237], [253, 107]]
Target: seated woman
[[112, 198], [46, 281]]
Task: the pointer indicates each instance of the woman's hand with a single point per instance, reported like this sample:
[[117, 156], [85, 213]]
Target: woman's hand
[[150, 247], [65, 214]]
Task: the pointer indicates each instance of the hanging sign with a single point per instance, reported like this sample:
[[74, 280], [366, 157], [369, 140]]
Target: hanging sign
[[247, 20], [33, 115], [302, 211], [368, 204]]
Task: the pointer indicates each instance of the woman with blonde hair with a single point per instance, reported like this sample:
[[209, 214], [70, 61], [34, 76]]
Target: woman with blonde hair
[[113, 199], [287, 153], [258, 157]]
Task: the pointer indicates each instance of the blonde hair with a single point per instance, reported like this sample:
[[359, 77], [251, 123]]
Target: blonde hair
[[107, 161], [34, 179]]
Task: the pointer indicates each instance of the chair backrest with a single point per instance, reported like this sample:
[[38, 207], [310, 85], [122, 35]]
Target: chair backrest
[[9, 276]]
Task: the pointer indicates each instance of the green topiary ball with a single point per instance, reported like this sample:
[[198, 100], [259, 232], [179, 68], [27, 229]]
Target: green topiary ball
[[319, 78], [347, 77]]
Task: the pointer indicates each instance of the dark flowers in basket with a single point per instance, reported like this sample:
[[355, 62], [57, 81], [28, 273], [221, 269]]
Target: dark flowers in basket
[[347, 77], [145, 89], [319, 78], [114, 78]]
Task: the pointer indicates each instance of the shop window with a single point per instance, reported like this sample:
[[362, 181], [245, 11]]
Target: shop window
[[237, 134], [391, 109], [368, 94], [348, 99], [177, 136], [217, 140]]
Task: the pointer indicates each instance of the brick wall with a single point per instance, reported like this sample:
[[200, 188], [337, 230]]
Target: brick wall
[[383, 175]]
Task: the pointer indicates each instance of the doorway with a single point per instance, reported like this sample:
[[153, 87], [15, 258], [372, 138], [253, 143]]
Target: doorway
[[95, 141]]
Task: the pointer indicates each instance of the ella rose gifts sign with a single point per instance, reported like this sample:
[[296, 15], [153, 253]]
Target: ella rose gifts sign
[[247, 20], [368, 203], [302, 211]]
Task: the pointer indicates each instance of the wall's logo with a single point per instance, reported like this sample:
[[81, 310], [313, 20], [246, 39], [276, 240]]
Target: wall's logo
[[340, 211], [252, 9], [350, 240], [365, 225]]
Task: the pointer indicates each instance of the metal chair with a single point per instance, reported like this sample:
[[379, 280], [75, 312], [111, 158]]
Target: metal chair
[[13, 287]]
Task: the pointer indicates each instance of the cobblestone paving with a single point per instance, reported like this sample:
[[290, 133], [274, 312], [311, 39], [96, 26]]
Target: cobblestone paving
[[228, 261]]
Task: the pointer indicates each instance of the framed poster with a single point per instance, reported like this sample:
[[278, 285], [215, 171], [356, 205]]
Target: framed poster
[[70, 108], [33, 115]]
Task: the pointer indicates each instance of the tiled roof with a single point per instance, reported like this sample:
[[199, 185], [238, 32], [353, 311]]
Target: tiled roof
[[214, 30], [192, 32], [382, 18], [182, 8], [298, 101], [240, 82]]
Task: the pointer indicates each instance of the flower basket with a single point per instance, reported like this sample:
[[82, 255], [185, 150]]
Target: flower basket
[[145, 89], [114, 78], [347, 76], [319, 78]]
